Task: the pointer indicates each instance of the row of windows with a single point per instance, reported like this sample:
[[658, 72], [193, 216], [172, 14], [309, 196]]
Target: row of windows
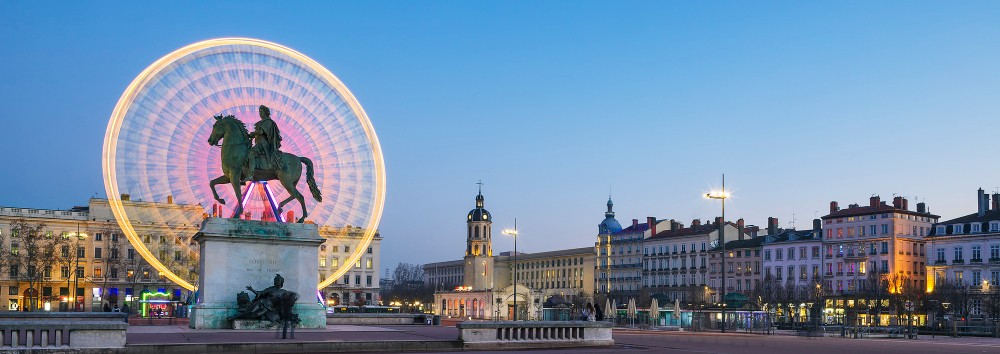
[[973, 228], [882, 216], [664, 249], [561, 262], [977, 253], [335, 262], [789, 253]]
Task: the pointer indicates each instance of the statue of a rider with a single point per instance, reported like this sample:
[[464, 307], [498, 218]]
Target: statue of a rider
[[265, 153]]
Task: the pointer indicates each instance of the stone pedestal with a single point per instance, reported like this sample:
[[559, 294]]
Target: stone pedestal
[[236, 253]]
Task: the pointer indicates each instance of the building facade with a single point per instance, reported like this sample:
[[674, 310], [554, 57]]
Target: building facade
[[482, 285], [97, 265], [676, 259], [887, 239], [964, 258]]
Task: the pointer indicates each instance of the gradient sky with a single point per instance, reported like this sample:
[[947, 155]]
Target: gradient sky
[[553, 103]]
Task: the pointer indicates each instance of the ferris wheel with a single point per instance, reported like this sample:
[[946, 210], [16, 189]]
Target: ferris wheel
[[156, 147]]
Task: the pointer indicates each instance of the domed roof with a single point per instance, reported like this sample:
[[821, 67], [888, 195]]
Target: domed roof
[[610, 224], [479, 213]]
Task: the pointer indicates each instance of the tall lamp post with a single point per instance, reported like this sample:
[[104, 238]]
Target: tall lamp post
[[513, 233], [722, 195]]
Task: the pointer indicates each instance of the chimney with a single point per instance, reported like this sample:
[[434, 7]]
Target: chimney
[[695, 222], [982, 203], [741, 227], [170, 199], [718, 221], [635, 224], [996, 201], [126, 197], [651, 221], [772, 226], [921, 207], [906, 204], [897, 202], [874, 201], [833, 207], [817, 224]]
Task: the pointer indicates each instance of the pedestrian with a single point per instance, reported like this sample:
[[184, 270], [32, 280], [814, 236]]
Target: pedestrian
[[107, 307], [598, 313], [585, 312], [591, 316]]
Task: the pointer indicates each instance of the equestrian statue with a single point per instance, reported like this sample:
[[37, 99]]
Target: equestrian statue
[[260, 161]]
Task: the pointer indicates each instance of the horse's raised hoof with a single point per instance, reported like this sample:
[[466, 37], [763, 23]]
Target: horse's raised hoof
[[221, 201]]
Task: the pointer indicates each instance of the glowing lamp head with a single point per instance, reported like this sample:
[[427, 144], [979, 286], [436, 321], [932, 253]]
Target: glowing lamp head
[[510, 232], [717, 195]]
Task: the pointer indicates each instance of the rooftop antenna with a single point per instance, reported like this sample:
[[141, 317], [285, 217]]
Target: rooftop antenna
[[480, 183], [793, 219]]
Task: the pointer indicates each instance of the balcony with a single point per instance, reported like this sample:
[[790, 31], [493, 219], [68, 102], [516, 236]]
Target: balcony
[[976, 260], [940, 261], [958, 261], [994, 260], [840, 273]]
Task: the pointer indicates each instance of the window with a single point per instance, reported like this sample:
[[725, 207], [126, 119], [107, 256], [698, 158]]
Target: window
[[130, 254], [357, 264], [334, 248], [81, 252], [872, 230], [791, 253], [97, 272], [767, 255], [941, 230], [347, 249], [368, 263], [958, 253], [357, 280], [976, 252], [368, 280], [322, 261], [347, 280], [97, 253], [64, 272], [957, 229], [994, 226], [994, 252], [940, 254], [975, 227], [778, 255], [815, 252], [369, 250], [12, 291], [977, 277], [885, 266], [79, 272], [885, 228], [885, 247]]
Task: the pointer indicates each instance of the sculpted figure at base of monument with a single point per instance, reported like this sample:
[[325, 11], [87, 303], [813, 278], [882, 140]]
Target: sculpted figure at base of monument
[[272, 304]]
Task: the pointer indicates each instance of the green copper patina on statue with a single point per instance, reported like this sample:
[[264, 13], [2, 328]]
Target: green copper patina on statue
[[261, 161]]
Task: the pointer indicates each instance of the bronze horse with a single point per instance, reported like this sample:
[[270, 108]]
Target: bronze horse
[[235, 158]]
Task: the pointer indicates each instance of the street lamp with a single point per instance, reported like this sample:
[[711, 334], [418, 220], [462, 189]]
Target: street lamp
[[513, 233], [722, 195]]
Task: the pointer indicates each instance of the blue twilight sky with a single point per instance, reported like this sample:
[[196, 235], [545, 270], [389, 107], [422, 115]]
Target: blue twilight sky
[[551, 103]]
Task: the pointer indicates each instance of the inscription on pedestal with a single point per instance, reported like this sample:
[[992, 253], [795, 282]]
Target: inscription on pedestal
[[263, 266]]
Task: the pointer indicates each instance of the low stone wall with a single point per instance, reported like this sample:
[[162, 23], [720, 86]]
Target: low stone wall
[[383, 319], [63, 332], [534, 334]]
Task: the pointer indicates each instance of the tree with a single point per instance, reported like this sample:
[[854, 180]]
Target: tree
[[407, 287], [33, 253], [875, 288], [992, 306], [68, 259]]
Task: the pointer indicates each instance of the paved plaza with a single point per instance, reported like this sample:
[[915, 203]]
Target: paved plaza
[[631, 341]]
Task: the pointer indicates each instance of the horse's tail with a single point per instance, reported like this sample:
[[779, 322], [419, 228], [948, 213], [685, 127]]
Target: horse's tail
[[311, 179]]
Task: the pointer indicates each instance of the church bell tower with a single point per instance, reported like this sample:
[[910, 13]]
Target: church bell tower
[[479, 247]]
